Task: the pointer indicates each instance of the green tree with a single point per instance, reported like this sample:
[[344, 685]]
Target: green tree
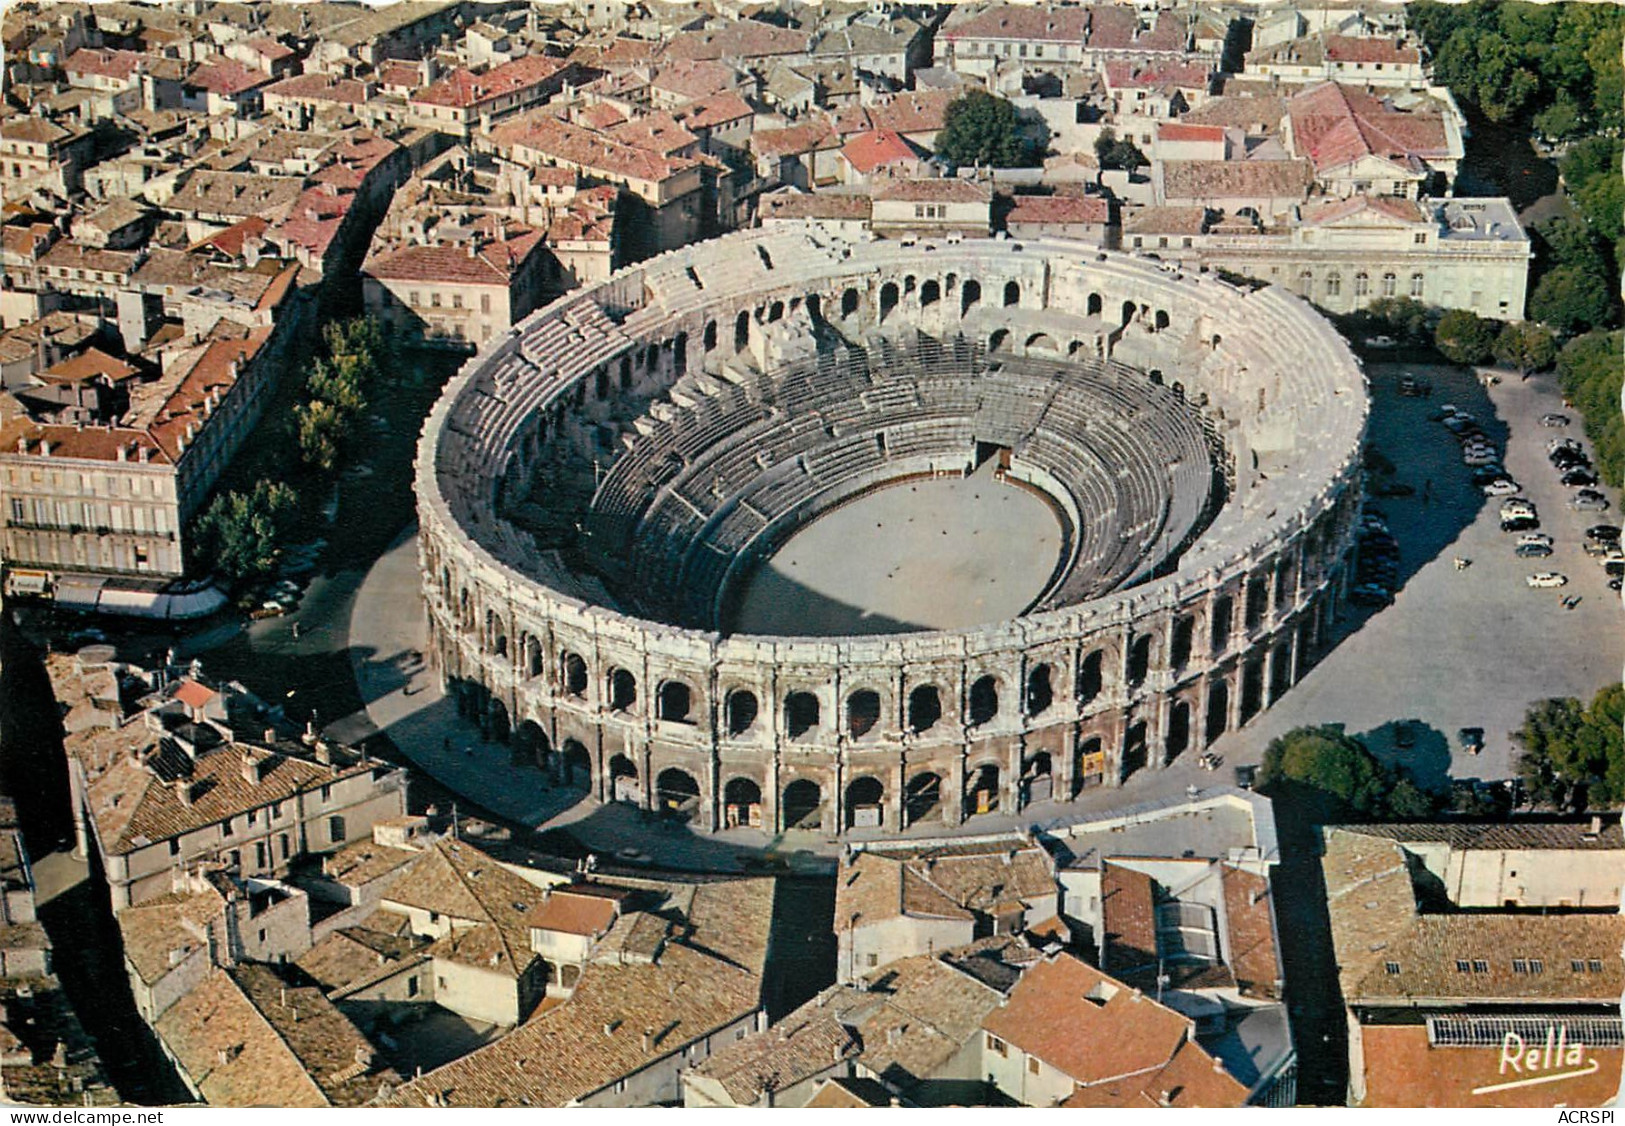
[[1328, 767], [1601, 200], [1571, 299], [1570, 749], [1526, 346], [1590, 372], [1561, 120], [1571, 242], [1409, 802], [337, 386], [239, 533], [1464, 337], [321, 433], [1404, 318], [980, 128]]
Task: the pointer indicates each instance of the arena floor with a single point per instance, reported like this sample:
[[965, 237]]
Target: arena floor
[[924, 554]]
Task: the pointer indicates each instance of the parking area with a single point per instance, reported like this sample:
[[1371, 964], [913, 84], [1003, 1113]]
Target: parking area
[[1462, 646]]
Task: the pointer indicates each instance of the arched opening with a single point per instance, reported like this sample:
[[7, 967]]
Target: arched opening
[[1040, 692], [849, 302], [1134, 749], [1218, 711], [1179, 648], [802, 805], [533, 658], [623, 780], [982, 790], [800, 713], [969, 294], [888, 299], [679, 354], [775, 312], [709, 339], [1091, 764], [575, 674], [1012, 293], [577, 765], [1283, 582], [677, 795], [1038, 778], [1129, 310], [999, 341], [1258, 601], [921, 797], [1280, 670], [1042, 342], [862, 712], [1161, 320], [1252, 689], [741, 711], [530, 743], [1095, 306], [742, 331], [623, 690], [1156, 377], [1139, 660], [1224, 611], [924, 708], [1179, 729], [865, 803], [908, 284], [601, 384], [626, 371], [675, 702], [497, 721], [815, 306], [1091, 677], [984, 700], [742, 804], [930, 292]]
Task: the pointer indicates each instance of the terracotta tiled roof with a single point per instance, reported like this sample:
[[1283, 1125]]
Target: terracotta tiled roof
[[1253, 956], [570, 912], [1037, 24], [463, 89], [558, 140], [103, 64], [598, 1035], [1181, 131], [1232, 179], [1403, 1070], [869, 151], [797, 140], [1128, 910], [320, 86], [458, 880], [1560, 835], [92, 363], [1059, 209], [694, 79], [227, 76], [1191, 1079], [815, 205], [1334, 125], [354, 956], [496, 262], [1255, 113], [1085, 1025], [934, 191], [154, 930], [1125, 75], [920, 112], [1369, 49], [737, 39], [68, 254]]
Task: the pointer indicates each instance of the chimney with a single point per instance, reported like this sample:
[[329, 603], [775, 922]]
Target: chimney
[[268, 736], [45, 447], [1596, 825], [183, 790], [648, 1039]]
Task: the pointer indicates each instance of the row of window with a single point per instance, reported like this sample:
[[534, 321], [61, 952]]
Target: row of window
[[1527, 966], [67, 514], [413, 299]]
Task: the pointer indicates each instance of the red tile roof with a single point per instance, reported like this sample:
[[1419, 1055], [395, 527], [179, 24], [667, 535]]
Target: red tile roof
[[934, 191], [1069, 209], [807, 137], [742, 39], [1049, 25], [227, 77], [89, 364], [1177, 131], [869, 151], [1191, 1079], [494, 264], [1334, 125], [1188, 76], [319, 86], [193, 694], [571, 913], [1369, 49], [463, 89], [1403, 1070], [571, 144], [103, 64], [1086, 1025], [1128, 911]]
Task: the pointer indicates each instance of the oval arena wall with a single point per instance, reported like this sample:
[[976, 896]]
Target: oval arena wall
[[831, 733]]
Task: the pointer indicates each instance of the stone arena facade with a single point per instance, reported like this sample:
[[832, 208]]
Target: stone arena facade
[[604, 677]]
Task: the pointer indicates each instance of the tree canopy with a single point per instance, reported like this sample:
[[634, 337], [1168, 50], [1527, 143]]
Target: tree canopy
[[1574, 753], [1464, 337], [1589, 369], [1525, 346], [239, 532], [981, 128], [1571, 299], [1114, 152], [1331, 765], [1556, 66]]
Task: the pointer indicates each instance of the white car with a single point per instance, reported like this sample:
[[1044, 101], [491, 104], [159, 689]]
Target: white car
[[1503, 487], [1517, 507], [1539, 538], [1542, 579]]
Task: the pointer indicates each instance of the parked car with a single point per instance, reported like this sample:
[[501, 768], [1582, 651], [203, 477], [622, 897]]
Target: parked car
[[1576, 477], [1484, 474], [1532, 551], [1543, 580], [1480, 455], [1589, 500], [1517, 506], [1384, 342], [1502, 487], [1605, 533], [1562, 444], [1246, 776], [1519, 523], [1536, 537], [1614, 568], [1470, 739], [1554, 419]]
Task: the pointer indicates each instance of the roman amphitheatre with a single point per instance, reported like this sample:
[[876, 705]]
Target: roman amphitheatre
[[794, 531]]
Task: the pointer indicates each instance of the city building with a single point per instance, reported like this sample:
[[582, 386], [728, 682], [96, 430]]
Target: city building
[[457, 295], [1479, 965]]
